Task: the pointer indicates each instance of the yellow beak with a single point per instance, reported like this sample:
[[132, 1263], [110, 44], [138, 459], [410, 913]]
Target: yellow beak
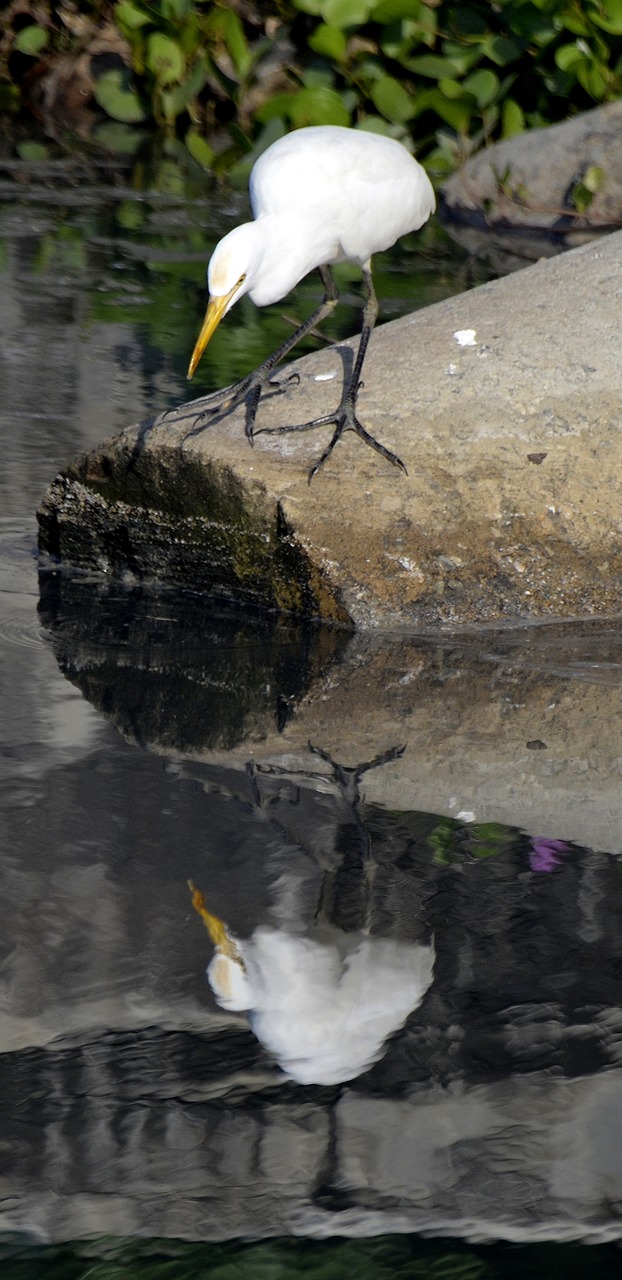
[[216, 928], [216, 308]]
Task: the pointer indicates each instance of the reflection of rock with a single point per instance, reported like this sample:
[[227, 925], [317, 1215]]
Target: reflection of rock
[[207, 680], [186, 674]]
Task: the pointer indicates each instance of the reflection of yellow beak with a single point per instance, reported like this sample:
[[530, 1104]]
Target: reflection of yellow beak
[[216, 308], [216, 928]]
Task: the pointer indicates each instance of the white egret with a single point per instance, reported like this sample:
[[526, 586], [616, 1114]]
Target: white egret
[[322, 997], [319, 195], [324, 1004]]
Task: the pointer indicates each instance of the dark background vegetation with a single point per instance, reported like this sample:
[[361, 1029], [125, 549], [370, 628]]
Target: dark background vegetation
[[227, 78]]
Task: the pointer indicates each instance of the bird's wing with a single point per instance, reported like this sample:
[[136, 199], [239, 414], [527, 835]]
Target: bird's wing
[[366, 188]]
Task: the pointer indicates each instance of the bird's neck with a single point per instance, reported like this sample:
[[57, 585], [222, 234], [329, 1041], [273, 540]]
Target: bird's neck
[[288, 248]]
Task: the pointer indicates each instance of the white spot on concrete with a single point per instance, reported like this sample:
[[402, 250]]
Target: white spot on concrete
[[465, 337], [325, 377]]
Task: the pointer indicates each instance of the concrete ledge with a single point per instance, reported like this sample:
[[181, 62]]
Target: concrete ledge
[[512, 440]]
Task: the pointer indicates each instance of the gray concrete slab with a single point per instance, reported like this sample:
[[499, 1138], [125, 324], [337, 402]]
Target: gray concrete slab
[[536, 179], [505, 404]]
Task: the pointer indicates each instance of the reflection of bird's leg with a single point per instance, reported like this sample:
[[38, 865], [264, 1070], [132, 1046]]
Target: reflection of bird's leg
[[251, 387], [344, 416], [358, 870]]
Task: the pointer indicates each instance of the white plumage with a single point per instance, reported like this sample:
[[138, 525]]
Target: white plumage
[[320, 195], [324, 1007], [324, 1004]]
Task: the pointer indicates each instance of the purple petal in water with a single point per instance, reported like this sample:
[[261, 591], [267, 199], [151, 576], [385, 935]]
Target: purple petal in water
[[545, 855]]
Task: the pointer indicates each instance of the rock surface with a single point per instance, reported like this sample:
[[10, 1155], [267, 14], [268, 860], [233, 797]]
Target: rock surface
[[531, 180], [504, 404]]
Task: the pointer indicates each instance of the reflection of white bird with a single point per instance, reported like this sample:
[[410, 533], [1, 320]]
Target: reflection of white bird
[[323, 1004], [319, 195]]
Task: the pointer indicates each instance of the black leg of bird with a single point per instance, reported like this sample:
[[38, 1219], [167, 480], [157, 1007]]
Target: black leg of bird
[[250, 388], [344, 416]]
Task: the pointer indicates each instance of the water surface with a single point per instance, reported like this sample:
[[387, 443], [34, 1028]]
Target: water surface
[[416, 840]]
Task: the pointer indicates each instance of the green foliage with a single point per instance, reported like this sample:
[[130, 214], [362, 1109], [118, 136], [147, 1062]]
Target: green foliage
[[584, 191], [31, 40], [239, 72], [457, 75], [453, 840], [114, 92]]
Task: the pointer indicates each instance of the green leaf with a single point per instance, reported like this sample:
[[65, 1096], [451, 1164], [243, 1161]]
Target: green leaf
[[433, 67], [164, 58], [309, 6], [592, 79], [175, 100], [608, 15], [9, 97], [276, 107], [568, 57], [32, 150], [119, 138], [613, 10], [318, 74], [451, 88], [114, 93], [441, 161], [130, 215], [376, 124], [131, 16], [464, 56], [512, 118], [345, 13], [466, 23], [31, 40], [176, 10], [391, 100], [502, 50], [458, 113], [199, 149], [594, 178], [589, 185], [329, 42], [317, 106], [576, 22], [392, 10], [484, 85], [236, 43], [168, 178]]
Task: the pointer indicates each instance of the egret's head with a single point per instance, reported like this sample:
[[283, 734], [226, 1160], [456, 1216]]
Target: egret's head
[[229, 276]]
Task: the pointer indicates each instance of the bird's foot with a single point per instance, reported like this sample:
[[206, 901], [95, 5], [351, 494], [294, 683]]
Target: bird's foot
[[218, 404], [344, 419]]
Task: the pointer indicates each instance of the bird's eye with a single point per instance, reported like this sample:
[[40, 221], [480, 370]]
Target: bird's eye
[[241, 280]]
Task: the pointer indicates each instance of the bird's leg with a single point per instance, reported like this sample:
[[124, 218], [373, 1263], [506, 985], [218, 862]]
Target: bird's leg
[[359, 862], [344, 417], [249, 389]]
